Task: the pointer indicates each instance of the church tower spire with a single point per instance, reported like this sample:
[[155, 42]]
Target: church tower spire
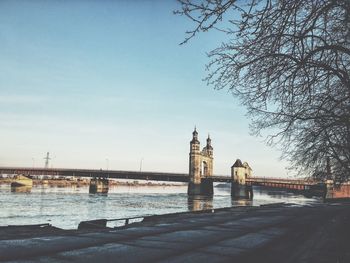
[[195, 140], [208, 141], [209, 148]]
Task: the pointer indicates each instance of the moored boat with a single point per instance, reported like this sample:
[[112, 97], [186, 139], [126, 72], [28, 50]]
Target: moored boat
[[21, 180]]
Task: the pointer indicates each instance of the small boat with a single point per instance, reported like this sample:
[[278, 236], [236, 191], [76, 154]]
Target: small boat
[[21, 180]]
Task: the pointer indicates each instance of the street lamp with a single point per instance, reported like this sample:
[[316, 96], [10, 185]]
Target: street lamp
[[141, 164], [107, 163]]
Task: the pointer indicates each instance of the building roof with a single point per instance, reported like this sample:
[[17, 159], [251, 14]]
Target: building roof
[[238, 163], [246, 165]]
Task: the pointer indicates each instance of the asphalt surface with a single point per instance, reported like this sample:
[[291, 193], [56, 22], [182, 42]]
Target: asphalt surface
[[280, 233]]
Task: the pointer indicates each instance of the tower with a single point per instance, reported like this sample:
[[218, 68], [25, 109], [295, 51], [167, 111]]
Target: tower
[[207, 159], [200, 167], [240, 189], [194, 170]]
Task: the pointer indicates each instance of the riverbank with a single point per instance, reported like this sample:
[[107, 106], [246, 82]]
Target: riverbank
[[272, 233]]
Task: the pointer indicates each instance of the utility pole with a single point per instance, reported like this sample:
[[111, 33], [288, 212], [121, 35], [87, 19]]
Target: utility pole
[[47, 158]]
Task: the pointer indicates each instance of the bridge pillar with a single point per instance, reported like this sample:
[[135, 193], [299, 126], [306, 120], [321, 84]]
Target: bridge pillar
[[205, 187], [200, 167], [98, 185], [240, 188], [330, 191], [335, 191]]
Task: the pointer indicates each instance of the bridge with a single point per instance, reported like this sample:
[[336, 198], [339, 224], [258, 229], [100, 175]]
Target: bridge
[[153, 176], [113, 174], [292, 184], [200, 178], [296, 184]]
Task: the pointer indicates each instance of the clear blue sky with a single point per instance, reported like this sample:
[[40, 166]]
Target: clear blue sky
[[95, 80]]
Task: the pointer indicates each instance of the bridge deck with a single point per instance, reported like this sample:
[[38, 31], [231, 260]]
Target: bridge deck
[[116, 174], [137, 175], [263, 180]]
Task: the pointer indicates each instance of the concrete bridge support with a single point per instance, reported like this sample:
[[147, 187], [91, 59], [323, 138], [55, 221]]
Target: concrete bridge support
[[205, 187], [329, 190], [99, 185], [336, 191], [240, 189]]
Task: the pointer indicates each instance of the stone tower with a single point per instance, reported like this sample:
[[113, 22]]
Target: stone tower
[[200, 167], [195, 159], [239, 187]]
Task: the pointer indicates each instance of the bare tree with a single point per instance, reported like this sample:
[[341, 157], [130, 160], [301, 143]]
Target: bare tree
[[289, 63]]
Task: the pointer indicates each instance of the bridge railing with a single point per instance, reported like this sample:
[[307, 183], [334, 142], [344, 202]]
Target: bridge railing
[[280, 180]]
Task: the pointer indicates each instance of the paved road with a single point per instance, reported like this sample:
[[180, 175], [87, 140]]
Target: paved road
[[262, 234]]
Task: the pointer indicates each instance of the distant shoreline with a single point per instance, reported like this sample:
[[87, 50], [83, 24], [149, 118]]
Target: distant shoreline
[[86, 182]]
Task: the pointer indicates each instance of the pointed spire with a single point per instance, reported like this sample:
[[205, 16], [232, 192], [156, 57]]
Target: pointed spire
[[209, 147], [195, 133], [208, 140], [195, 136]]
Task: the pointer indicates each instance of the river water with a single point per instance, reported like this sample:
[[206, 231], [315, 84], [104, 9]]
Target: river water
[[65, 207]]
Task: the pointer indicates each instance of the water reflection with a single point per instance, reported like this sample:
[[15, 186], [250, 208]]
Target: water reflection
[[199, 202], [21, 189], [278, 193], [242, 193], [96, 205], [98, 194], [241, 202]]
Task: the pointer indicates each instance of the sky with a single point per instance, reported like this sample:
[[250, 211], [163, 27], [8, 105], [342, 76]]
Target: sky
[[105, 84]]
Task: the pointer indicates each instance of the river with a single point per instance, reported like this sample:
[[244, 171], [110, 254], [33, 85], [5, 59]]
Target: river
[[65, 207]]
